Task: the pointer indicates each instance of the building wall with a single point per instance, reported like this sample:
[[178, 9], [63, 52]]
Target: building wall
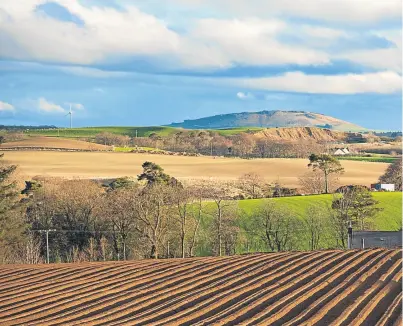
[[375, 239]]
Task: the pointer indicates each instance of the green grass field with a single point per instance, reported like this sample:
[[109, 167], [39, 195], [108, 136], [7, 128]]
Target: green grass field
[[390, 219], [91, 132], [379, 159]]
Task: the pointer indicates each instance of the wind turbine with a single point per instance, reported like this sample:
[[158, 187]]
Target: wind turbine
[[71, 117]]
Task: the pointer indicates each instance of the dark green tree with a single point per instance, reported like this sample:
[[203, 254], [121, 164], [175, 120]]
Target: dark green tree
[[154, 174], [12, 226], [123, 182], [328, 164], [31, 187]]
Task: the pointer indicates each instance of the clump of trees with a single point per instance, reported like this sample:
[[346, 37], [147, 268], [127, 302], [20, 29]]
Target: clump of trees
[[108, 138], [393, 174]]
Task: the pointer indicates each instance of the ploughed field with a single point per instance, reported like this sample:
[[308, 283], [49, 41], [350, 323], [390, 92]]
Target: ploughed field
[[110, 165], [356, 287]]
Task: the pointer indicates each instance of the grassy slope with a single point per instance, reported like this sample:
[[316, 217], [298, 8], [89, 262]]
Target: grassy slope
[[90, 132], [390, 219], [93, 131], [379, 159]]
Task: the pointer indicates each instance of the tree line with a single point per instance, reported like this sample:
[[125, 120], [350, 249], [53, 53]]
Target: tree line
[[157, 216], [245, 145]]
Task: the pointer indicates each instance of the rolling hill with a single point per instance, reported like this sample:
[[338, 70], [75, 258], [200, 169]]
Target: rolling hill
[[335, 287], [269, 119]]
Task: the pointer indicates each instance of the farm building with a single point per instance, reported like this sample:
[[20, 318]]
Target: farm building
[[376, 239], [383, 187], [341, 151]]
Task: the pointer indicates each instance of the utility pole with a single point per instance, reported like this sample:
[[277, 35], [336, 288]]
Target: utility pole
[[47, 242], [349, 236]]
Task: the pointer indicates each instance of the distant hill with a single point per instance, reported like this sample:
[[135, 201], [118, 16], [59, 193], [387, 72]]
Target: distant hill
[[269, 119]]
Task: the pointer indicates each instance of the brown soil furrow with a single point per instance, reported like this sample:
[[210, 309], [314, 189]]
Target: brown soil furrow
[[49, 277], [248, 313], [329, 311], [393, 313], [191, 288], [372, 312], [163, 291], [87, 284], [189, 312], [68, 285], [309, 310], [27, 276], [329, 279], [356, 306], [334, 287], [62, 287], [64, 303]]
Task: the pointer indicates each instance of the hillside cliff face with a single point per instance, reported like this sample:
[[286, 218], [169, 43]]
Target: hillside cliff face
[[308, 133], [269, 119]]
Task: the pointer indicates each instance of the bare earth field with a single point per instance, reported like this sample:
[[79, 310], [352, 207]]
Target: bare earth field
[[355, 287], [53, 142], [110, 165]]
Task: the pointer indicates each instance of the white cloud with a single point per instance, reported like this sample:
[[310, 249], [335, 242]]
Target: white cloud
[[75, 106], [106, 32], [383, 59], [381, 82], [49, 107], [252, 42], [352, 11], [245, 96], [4, 106], [250, 37]]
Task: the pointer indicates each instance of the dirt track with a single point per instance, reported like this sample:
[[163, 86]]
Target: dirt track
[[290, 288], [107, 165]]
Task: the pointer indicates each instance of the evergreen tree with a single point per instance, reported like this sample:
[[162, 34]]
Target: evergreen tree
[[154, 174], [12, 225], [328, 164]]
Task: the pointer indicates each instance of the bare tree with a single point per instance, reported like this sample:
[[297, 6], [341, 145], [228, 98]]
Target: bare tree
[[120, 209], [316, 222], [313, 182], [154, 208], [199, 194], [183, 199], [340, 216], [276, 226], [251, 184], [219, 193]]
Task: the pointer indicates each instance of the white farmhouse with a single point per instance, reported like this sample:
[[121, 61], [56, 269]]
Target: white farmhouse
[[383, 187], [341, 151]]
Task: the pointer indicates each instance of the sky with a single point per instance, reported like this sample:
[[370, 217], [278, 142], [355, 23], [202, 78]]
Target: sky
[[154, 62]]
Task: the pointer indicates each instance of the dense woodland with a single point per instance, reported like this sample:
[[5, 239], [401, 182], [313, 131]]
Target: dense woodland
[[156, 216]]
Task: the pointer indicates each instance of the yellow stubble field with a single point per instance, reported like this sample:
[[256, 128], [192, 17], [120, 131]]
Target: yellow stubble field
[[109, 165]]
